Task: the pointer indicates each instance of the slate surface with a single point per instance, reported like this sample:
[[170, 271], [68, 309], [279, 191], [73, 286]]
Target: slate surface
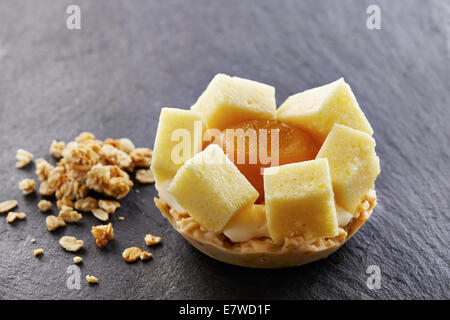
[[133, 57]]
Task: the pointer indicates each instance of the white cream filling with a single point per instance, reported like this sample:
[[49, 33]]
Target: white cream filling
[[242, 233], [247, 224], [343, 217], [165, 195]]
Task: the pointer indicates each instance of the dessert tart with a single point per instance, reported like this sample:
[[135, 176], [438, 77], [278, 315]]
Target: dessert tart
[[256, 186]]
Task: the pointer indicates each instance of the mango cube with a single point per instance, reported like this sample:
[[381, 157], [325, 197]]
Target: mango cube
[[299, 199], [211, 188], [317, 110], [354, 165], [229, 100], [176, 141]]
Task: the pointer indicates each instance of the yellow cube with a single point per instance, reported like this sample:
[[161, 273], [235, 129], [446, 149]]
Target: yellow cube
[[229, 100], [299, 199], [317, 110], [354, 165], [178, 138], [211, 188]]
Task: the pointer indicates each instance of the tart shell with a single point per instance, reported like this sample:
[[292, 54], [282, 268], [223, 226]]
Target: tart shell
[[262, 253]]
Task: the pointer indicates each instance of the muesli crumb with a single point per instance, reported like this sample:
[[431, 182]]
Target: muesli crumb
[[44, 205], [38, 252], [126, 145], [43, 169], [7, 205], [114, 156], [23, 158], [27, 185], [45, 189], [151, 239], [131, 254], [12, 216], [54, 222], [56, 148], [64, 202], [145, 176], [145, 255], [69, 215], [91, 279], [77, 259], [142, 157], [86, 204], [100, 214], [85, 136], [109, 206], [71, 243]]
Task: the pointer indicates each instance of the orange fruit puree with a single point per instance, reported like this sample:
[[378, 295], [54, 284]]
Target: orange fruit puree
[[294, 145]]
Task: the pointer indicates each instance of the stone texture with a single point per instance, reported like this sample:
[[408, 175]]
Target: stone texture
[[132, 58]]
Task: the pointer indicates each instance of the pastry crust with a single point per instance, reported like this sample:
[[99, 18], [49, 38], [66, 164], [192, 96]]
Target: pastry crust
[[261, 252]]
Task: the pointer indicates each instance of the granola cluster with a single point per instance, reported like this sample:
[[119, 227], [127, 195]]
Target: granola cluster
[[90, 164], [110, 180], [102, 234], [83, 165]]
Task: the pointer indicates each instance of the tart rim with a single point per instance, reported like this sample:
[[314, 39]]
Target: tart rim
[[261, 252]]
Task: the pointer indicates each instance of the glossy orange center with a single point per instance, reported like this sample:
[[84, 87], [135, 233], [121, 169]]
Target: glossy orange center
[[254, 148]]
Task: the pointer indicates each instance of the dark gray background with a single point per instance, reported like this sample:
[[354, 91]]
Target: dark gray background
[[133, 57]]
